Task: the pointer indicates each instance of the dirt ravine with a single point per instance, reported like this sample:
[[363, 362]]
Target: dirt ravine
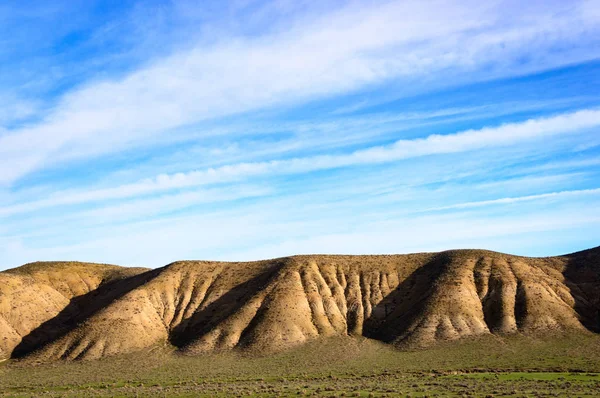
[[66, 310]]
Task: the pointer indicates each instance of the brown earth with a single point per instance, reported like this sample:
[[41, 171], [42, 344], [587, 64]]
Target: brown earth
[[61, 310]]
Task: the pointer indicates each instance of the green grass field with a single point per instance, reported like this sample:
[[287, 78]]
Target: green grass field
[[517, 366]]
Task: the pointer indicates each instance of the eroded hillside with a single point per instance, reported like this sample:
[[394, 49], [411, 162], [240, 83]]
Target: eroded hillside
[[54, 311]]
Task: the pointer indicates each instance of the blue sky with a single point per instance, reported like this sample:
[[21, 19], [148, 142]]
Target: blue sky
[[140, 133]]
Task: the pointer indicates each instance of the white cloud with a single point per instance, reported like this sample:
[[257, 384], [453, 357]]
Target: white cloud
[[336, 53], [503, 135], [528, 198], [413, 46], [168, 203], [270, 233]]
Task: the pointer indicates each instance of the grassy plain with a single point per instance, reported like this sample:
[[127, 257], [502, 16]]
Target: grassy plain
[[565, 365]]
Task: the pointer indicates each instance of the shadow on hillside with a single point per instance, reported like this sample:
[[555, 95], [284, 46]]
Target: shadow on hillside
[[204, 320], [582, 276], [78, 310], [392, 317]]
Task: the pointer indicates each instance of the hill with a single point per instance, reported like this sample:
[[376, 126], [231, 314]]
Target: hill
[[51, 311]]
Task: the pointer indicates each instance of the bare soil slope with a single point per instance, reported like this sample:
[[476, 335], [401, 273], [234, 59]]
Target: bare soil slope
[[86, 311]]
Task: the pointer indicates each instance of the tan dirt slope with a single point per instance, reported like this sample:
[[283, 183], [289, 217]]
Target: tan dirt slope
[[52, 311]]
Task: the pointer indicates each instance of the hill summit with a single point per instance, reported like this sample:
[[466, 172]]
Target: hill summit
[[67, 310]]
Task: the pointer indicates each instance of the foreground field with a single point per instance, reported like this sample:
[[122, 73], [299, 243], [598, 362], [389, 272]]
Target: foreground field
[[566, 365]]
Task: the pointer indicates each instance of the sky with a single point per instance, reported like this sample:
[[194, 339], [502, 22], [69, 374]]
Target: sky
[[144, 132]]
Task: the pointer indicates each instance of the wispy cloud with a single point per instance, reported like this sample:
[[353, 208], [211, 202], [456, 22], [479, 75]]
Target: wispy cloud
[[528, 198], [338, 52], [507, 134], [269, 233], [267, 128]]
